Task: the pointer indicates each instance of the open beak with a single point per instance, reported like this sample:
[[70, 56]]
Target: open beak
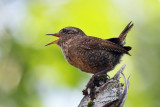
[[54, 42]]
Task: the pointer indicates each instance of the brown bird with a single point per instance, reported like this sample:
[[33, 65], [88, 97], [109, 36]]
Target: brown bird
[[91, 54]]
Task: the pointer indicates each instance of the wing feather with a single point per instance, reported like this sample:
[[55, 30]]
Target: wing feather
[[100, 44]]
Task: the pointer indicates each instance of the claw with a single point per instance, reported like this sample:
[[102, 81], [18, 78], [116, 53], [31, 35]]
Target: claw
[[92, 82]]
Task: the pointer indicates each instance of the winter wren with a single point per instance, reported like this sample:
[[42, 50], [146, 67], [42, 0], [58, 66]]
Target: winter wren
[[91, 54]]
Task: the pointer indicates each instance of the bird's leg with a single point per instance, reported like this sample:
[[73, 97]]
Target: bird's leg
[[93, 78]]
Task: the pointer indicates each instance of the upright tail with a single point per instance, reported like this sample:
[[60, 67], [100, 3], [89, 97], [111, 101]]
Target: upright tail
[[123, 34], [121, 39]]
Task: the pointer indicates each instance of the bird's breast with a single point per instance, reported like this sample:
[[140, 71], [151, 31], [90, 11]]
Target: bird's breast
[[72, 53], [67, 51]]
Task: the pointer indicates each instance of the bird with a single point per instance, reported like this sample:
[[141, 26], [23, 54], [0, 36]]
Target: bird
[[91, 54]]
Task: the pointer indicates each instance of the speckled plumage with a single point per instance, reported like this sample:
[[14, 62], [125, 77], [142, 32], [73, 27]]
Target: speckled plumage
[[92, 54]]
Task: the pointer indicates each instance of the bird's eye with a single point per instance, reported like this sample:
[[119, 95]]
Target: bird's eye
[[65, 30]]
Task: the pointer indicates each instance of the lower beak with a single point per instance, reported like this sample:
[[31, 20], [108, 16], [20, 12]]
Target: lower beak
[[54, 42]]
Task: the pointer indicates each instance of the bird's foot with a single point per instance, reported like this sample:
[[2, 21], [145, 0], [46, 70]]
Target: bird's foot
[[97, 79]]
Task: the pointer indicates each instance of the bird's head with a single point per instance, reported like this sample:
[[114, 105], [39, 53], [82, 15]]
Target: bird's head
[[66, 33]]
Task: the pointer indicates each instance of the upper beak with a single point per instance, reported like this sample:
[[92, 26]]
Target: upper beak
[[54, 42], [55, 34]]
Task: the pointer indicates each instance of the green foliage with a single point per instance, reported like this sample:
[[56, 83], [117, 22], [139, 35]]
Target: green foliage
[[90, 104]]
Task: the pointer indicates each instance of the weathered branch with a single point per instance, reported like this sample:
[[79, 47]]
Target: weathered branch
[[109, 94]]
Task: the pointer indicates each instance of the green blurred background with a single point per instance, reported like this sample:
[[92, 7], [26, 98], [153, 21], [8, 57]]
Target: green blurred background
[[32, 75]]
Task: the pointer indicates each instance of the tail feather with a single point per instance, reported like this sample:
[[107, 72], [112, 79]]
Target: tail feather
[[121, 39], [123, 34]]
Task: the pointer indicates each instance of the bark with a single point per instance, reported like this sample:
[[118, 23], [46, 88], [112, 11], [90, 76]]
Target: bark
[[109, 94]]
